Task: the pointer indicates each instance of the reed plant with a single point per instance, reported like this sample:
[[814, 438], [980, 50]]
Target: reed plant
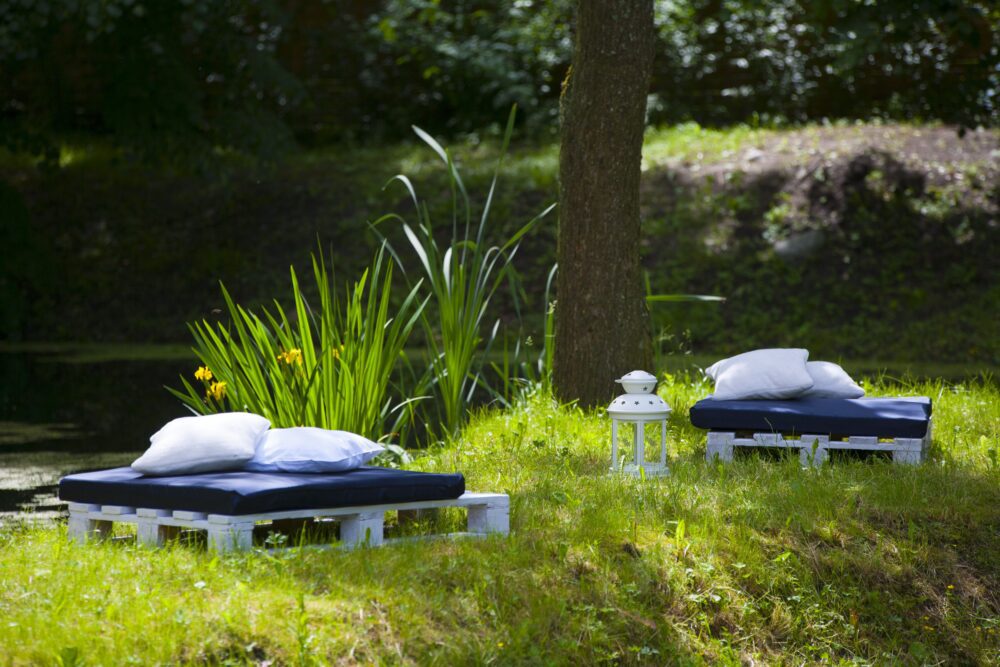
[[333, 367], [462, 276], [521, 371]]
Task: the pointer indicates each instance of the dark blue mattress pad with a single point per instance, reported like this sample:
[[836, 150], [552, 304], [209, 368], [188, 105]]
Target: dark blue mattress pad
[[883, 417], [257, 492]]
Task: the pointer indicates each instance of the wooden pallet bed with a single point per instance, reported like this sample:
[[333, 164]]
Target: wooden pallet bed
[[363, 525], [228, 506], [815, 449], [816, 427]]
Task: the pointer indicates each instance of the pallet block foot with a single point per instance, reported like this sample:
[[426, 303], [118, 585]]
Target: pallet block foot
[[908, 458], [148, 529], [814, 450], [493, 517], [230, 536], [365, 528], [720, 446], [84, 526]]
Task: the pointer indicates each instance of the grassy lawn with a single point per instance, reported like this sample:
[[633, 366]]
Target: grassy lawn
[[812, 234], [859, 562]]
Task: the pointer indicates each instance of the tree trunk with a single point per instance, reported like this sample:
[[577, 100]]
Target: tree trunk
[[602, 324]]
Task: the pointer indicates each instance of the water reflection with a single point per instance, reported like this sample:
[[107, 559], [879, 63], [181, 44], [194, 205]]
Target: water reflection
[[66, 409]]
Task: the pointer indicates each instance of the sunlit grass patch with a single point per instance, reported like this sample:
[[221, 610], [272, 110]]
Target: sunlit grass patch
[[692, 142]]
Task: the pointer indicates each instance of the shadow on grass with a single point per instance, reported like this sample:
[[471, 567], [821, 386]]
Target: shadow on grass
[[906, 558]]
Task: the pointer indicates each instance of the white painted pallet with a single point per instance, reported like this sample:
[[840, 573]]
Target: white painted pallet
[[359, 526], [814, 449]]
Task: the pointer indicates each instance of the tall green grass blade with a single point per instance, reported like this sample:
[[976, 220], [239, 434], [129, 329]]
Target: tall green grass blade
[[679, 298], [461, 281]]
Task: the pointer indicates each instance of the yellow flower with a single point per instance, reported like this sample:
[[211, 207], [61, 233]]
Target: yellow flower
[[217, 390], [292, 356], [203, 373]]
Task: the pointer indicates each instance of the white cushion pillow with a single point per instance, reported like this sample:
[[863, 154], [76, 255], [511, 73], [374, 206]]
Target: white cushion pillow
[[761, 374], [306, 449], [830, 381], [206, 443]]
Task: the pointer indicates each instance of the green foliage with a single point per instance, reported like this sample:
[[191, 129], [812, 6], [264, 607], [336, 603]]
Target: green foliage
[[183, 81], [174, 81], [462, 278], [784, 60], [430, 55], [716, 62], [331, 367], [860, 562], [520, 371]]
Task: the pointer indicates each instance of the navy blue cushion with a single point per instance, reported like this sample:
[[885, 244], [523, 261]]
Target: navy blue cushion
[[883, 417], [256, 492]]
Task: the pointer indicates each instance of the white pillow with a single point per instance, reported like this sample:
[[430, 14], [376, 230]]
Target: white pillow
[[306, 449], [830, 381], [206, 443], [764, 374]]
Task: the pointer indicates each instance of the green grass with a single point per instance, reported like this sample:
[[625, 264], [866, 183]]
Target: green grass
[[691, 142], [858, 562]]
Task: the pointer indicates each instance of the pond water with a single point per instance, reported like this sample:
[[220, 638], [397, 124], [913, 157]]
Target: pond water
[[72, 408]]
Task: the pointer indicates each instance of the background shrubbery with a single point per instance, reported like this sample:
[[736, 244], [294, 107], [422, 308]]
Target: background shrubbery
[[181, 79], [894, 235]]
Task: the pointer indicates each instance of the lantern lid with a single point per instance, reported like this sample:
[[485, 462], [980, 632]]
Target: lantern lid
[[639, 406], [638, 382]]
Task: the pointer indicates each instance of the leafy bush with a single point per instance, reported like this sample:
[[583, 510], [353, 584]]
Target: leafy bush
[[454, 66], [733, 61], [167, 80], [248, 76], [331, 368], [451, 66]]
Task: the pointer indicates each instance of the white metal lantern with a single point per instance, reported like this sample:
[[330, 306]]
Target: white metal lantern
[[638, 406]]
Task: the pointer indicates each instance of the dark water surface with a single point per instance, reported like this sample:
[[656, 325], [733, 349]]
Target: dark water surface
[[71, 408]]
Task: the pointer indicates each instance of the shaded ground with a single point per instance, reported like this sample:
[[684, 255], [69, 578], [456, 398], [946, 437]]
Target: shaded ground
[[813, 235], [854, 241]]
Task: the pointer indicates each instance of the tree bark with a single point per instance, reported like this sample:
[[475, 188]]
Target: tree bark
[[602, 323]]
